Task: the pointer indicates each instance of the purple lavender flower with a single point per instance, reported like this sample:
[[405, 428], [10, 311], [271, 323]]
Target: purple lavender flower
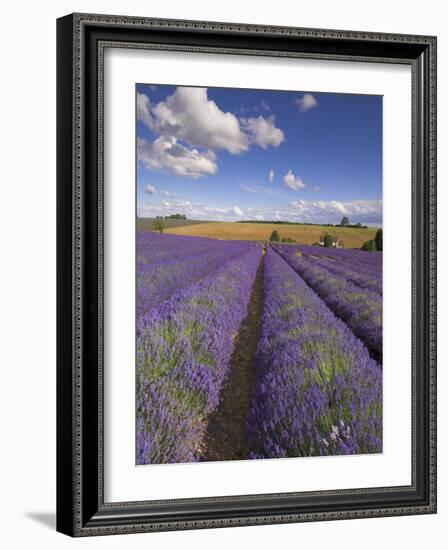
[[168, 263], [183, 352], [359, 307], [348, 263], [317, 391]]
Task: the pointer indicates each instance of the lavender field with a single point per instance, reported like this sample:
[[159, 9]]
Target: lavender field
[[248, 350]]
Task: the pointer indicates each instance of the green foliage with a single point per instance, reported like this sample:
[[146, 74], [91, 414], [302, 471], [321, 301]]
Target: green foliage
[[275, 237], [328, 240], [288, 240], [158, 225], [345, 221], [176, 217], [379, 240], [369, 246]]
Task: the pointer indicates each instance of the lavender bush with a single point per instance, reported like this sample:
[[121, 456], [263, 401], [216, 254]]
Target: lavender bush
[[351, 266], [371, 263], [360, 308], [167, 263], [156, 247], [317, 391], [183, 352]]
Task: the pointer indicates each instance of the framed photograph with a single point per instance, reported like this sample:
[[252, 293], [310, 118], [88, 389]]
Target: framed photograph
[[246, 274]]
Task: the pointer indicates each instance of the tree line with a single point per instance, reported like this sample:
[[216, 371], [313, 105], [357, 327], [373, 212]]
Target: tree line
[[345, 222]]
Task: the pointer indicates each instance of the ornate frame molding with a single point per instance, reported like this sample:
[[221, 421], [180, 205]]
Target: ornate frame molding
[[81, 42]]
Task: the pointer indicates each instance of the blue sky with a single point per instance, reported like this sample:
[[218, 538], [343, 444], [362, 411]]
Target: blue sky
[[233, 154]]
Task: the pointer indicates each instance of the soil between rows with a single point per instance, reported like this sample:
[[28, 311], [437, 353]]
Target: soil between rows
[[225, 438]]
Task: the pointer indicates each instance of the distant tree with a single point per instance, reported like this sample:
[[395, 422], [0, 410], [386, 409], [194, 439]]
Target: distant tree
[[158, 225], [379, 240], [328, 240], [176, 217], [369, 246], [345, 221], [275, 237], [359, 224]]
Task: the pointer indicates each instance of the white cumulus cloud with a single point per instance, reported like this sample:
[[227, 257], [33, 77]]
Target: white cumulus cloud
[[144, 109], [191, 129], [150, 189], [366, 211], [165, 193], [262, 131], [292, 181], [306, 102], [271, 176], [167, 154], [198, 211], [188, 114]]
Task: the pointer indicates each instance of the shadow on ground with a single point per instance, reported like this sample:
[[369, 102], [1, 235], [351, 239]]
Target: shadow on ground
[[48, 519]]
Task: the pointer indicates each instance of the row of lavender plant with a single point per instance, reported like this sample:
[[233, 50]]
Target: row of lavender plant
[[183, 352], [370, 260], [360, 308], [349, 267], [167, 264], [317, 391], [156, 247]]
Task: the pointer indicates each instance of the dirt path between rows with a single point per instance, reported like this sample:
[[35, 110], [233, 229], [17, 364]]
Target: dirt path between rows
[[226, 432]]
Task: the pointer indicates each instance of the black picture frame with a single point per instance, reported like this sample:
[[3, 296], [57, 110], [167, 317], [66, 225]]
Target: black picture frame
[[81, 510]]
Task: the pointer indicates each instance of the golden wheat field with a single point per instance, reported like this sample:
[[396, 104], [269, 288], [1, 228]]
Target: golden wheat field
[[352, 237]]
